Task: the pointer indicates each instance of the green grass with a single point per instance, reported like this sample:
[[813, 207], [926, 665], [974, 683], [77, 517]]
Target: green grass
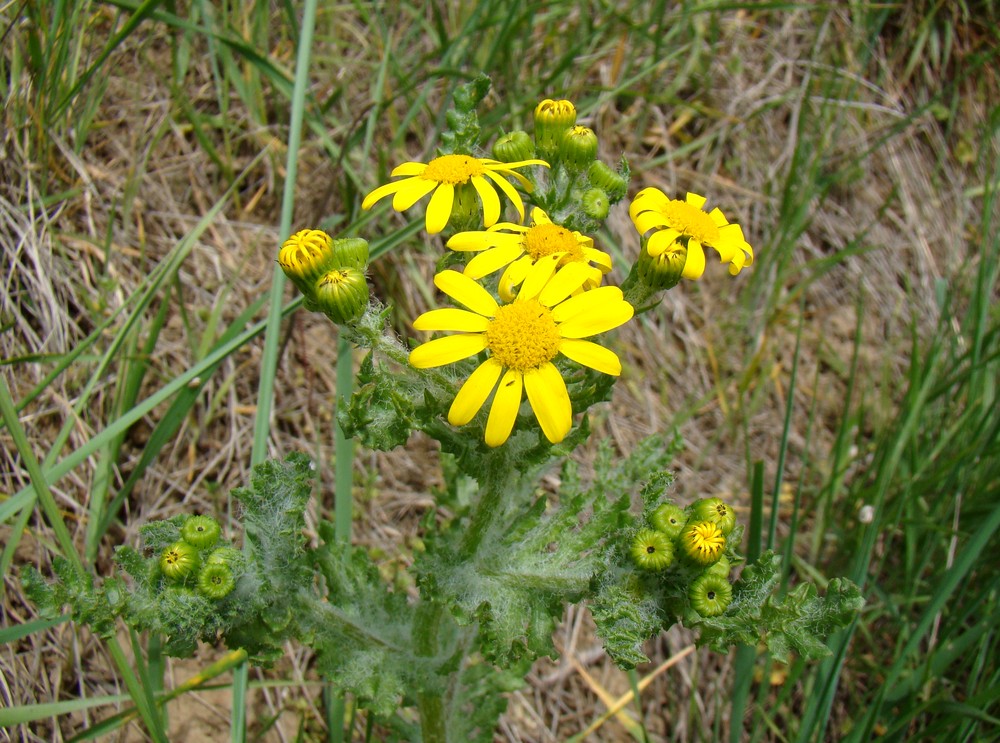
[[152, 166]]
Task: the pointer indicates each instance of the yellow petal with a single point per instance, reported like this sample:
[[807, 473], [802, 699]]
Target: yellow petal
[[567, 280], [646, 199], [503, 411], [648, 220], [662, 242], [596, 320], [474, 392], [592, 355], [491, 260], [695, 200], [479, 240], [410, 168], [550, 401], [718, 217], [380, 193], [586, 302], [538, 276], [450, 318], [447, 350], [509, 190], [491, 202], [467, 292], [538, 216], [439, 208], [512, 277], [410, 192], [694, 266], [602, 259]]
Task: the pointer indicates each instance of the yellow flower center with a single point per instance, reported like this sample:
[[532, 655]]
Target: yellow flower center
[[691, 221], [545, 239], [522, 335], [706, 538], [453, 169]]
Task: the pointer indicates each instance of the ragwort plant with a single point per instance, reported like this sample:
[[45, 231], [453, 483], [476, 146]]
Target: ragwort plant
[[504, 387]]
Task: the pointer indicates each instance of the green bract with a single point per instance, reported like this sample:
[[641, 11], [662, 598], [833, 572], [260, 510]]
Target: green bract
[[710, 595], [215, 580], [179, 560], [715, 510], [669, 518], [652, 550]]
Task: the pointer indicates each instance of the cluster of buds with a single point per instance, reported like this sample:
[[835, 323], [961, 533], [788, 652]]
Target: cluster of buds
[[691, 541], [197, 561], [329, 273], [571, 150]]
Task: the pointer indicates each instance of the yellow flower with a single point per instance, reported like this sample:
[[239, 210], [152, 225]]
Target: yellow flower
[[685, 222], [521, 248], [443, 175], [521, 339]]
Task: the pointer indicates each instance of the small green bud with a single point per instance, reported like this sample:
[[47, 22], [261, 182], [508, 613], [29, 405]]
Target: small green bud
[[305, 257], [179, 560], [578, 147], [612, 182], [668, 518], [710, 595], [350, 252], [717, 511], [664, 271], [342, 295], [224, 556], [702, 542], [201, 531], [514, 147], [652, 550], [723, 567], [595, 204], [552, 119], [465, 211], [215, 581]]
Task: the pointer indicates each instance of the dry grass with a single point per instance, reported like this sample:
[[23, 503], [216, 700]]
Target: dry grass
[[703, 361]]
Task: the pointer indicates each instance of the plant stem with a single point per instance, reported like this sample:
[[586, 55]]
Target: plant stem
[[430, 703]]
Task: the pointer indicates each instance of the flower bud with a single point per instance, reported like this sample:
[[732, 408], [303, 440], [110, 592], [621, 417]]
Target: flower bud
[[578, 148], [716, 511], [723, 567], [702, 542], [305, 257], [201, 531], [216, 581], [552, 119], [710, 595], [514, 147], [350, 252], [595, 204], [224, 556], [179, 560], [652, 550], [610, 181], [669, 518], [342, 295], [465, 212], [665, 270]]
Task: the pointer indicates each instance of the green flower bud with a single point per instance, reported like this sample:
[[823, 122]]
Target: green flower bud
[[702, 542], [578, 147], [215, 581], [465, 212], [723, 567], [305, 257], [595, 204], [224, 556], [552, 119], [715, 510], [668, 518], [710, 595], [664, 271], [342, 295], [350, 252], [179, 560], [201, 531], [514, 147], [610, 181], [652, 550]]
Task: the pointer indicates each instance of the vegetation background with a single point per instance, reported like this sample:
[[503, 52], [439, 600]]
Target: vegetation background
[[143, 163]]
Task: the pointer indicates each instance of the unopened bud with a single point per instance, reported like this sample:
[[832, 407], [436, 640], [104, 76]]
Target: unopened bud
[[595, 204], [305, 256], [552, 119], [514, 147], [351, 252], [665, 270], [612, 182], [342, 295], [578, 147]]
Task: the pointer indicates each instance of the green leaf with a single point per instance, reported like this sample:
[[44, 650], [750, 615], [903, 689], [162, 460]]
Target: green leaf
[[477, 697], [380, 413]]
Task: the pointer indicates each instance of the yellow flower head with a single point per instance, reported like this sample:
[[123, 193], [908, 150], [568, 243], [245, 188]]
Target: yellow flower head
[[522, 250], [684, 223], [443, 175], [521, 339]]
